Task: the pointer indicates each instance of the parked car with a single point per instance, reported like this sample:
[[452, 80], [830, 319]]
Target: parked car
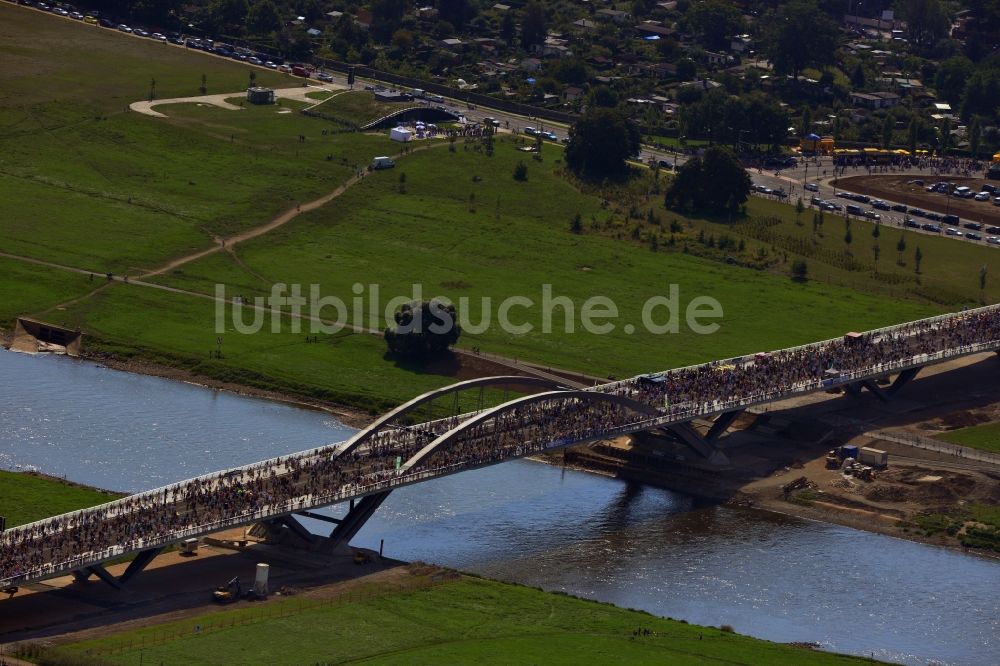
[[993, 240], [982, 196], [933, 228], [952, 231], [975, 226], [899, 208], [911, 223], [881, 205], [974, 236], [124, 28], [322, 76], [811, 187]]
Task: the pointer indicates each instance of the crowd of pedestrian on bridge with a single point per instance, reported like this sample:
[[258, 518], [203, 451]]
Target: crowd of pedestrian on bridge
[[331, 474]]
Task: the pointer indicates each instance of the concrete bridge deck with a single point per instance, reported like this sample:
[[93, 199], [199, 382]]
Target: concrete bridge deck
[[389, 455]]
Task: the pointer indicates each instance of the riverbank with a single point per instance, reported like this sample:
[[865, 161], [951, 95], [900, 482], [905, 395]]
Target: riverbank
[[775, 460], [417, 613]]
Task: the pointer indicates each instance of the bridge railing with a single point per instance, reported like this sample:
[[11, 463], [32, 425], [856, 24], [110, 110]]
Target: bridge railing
[[673, 413]]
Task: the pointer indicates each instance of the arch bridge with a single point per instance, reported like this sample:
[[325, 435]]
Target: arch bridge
[[398, 450]]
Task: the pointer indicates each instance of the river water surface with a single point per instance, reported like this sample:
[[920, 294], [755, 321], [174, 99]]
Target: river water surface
[[769, 576]]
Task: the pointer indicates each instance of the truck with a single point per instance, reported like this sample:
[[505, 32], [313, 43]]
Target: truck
[[381, 162], [873, 457]]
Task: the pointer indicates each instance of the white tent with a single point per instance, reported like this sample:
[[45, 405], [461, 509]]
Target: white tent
[[400, 134]]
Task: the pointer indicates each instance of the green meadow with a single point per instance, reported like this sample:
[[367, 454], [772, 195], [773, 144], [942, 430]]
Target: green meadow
[[467, 621], [85, 183], [985, 437], [25, 498]]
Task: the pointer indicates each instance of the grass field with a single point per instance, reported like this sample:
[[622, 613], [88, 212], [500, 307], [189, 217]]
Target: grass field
[[25, 498], [983, 437], [468, 621], [359, 106], [32, 288], [465, 228], [141, 190], [85, 183]]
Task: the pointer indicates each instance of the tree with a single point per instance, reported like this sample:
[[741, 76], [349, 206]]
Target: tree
[[797, 35], [714, 22], [799, 209], [534, 26], [877, 251], [456, 12], [521, 171], [926, 21], [858, 79], [508, 27], [387, 16], [806, 122], [203, 88], [949, 82], [975, 136], [576, 225], [982, 281], [716, 182], [848, 239], [888, 125], [918, 258], [263, 18], [600, 143], [913, 132], [226, 15], [800, 270], [944, 140], [982, 93], [423, 329], [602, 96], [900, 248], [877, 230]]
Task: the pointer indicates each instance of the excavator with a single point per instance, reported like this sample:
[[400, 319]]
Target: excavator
[[228, 593]]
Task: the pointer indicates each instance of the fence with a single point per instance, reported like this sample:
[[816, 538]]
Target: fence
[[929, 444]]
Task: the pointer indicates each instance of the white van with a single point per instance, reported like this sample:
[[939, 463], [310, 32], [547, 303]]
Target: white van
[[382, 162]]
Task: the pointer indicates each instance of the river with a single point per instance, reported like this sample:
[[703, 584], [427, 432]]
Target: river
[[770, 576]]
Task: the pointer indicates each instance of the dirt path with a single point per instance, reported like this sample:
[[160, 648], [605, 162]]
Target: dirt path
[[280, 220], [146, 107]]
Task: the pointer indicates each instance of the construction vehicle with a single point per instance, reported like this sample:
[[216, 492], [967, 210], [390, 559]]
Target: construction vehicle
[[832, 460], [228, 593]]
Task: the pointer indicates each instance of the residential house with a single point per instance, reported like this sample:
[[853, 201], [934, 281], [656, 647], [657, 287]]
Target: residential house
[[877, 100], [615, 15], [655, 28], [530, 64]]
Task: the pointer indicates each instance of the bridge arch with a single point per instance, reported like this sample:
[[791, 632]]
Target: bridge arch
[[445, 440], [351, 524], [411, 405]]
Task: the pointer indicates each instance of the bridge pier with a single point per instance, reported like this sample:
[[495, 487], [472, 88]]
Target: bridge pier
[[883, 394], [355, 519], [294, 526], [704, 445], [140, 562]]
